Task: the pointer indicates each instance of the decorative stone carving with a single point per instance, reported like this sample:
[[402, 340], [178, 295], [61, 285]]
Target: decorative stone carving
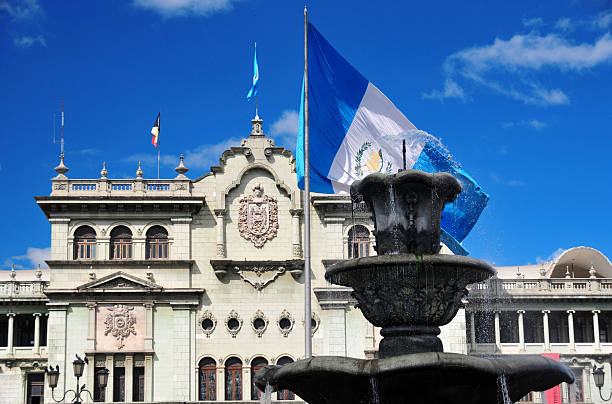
[[233, 323], [285, 322], [297, 251], [220, 250], [259, 323], [208, 323], [59, 187], [317, 322], [258, 217], [120, 323], [259, 275]]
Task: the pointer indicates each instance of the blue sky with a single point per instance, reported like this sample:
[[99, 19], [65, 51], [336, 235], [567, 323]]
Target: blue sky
[[518, 91]]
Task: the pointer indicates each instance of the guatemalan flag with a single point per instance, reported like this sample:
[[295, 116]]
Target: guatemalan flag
[[354, 130]]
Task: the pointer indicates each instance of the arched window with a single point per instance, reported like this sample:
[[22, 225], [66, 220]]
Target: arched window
[[358, 242], [256, 364], [233, 379], [121, 243], [157, 243], [84, 243], [285, 394], [207, 380]]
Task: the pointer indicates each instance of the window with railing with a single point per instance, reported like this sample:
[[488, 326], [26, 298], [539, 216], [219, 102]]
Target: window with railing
[[233, 379], [121, 243], [157, 243], [358, 242], [208, 380], [84, 243]]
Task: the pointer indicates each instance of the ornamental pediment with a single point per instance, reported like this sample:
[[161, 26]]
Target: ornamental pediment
[[120, 281]]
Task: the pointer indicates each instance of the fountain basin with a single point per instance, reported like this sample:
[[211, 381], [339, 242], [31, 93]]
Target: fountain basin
[[422, 378], [410, 296]]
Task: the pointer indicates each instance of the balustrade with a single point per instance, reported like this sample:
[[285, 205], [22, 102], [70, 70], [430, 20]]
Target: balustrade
[[107, 187], [548, 286]]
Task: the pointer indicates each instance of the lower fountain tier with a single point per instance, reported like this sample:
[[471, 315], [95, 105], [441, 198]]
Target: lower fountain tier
[[409, 295], [422, 378]]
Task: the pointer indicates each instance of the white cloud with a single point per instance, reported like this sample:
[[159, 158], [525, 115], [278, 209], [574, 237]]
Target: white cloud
[[564, 24], [176, 8], [532, 22], [510, 183], [534, 124], [509, 66], [451, 90], [604, 20], [28, 41], [33, 255], [552, 257], [20, 9], [203, 156], [285, 129]]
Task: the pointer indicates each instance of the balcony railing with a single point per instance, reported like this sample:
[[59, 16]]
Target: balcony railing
[[130, 187], [23, 289], [551, 286]]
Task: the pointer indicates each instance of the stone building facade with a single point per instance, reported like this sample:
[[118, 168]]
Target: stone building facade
[[183, 287]]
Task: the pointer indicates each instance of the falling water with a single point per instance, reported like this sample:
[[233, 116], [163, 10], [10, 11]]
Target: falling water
[[393, 218], [266, 397], [502, 390], [374, 399]]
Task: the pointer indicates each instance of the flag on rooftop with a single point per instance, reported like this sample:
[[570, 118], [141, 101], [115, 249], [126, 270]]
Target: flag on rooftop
[[253, 91], [356, 130], [155, 131]]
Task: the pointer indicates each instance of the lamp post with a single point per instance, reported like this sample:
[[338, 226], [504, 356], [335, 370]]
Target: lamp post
[[598, 378], [78, 365]]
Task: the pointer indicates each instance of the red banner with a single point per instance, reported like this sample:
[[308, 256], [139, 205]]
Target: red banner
[[553, 396]]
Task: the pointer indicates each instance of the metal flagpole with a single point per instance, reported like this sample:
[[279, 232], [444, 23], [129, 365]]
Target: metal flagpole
[[307, 305], [158, 145]]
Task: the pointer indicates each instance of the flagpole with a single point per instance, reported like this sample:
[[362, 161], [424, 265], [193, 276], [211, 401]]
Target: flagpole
[[158, 145], [307, 287]]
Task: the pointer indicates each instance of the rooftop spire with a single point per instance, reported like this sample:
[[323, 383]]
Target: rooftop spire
[[257, 123], [61, 168], [139, 171]]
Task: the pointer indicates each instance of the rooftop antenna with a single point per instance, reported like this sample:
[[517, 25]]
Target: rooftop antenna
[[62, 133]]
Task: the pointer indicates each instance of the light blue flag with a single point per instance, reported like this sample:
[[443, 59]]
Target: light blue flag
[[253, 92], [356, 130]]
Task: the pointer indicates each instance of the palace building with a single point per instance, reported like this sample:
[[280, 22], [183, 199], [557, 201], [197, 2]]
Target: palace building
[[182, 288]]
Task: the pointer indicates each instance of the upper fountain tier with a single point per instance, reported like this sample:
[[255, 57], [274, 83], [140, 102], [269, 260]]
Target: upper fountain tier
[[407, 209]]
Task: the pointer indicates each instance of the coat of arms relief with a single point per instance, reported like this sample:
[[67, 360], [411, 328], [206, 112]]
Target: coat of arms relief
[[120, 322], [258, 217]]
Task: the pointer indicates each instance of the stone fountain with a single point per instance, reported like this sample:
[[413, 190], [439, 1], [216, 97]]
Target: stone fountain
[[410, 290]]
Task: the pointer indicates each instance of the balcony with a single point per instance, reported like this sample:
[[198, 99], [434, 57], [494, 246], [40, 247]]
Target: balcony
[[23, 290], [121, 188], [542, 287]]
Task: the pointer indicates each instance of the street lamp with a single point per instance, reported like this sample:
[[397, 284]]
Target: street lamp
[[598, 378], [78, 365]]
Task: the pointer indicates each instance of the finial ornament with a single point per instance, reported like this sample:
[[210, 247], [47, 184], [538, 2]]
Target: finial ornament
[[104, 171], [181, 169], [257, 124], [592, 272], [139, 171], [61, 168], [13, 273]]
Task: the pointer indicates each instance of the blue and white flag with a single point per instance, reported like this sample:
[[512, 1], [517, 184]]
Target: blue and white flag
[[253, 91], [355, 130]]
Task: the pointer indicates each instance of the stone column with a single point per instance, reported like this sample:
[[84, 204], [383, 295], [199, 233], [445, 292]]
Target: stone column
[[545, 314], [497, 332], [149, 325], [596, 330], [129, 376], [221, 381], [110, 365], [570, 326], [9, 345], [102, 248], [148, 374], [521, 330], [246, 383], [37, 332], [295, 234], [472, 331], [220, 214], [91, 326], [90, 369]]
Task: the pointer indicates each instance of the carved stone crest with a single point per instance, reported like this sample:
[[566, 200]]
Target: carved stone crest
[[258, 217], [120, 323]]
